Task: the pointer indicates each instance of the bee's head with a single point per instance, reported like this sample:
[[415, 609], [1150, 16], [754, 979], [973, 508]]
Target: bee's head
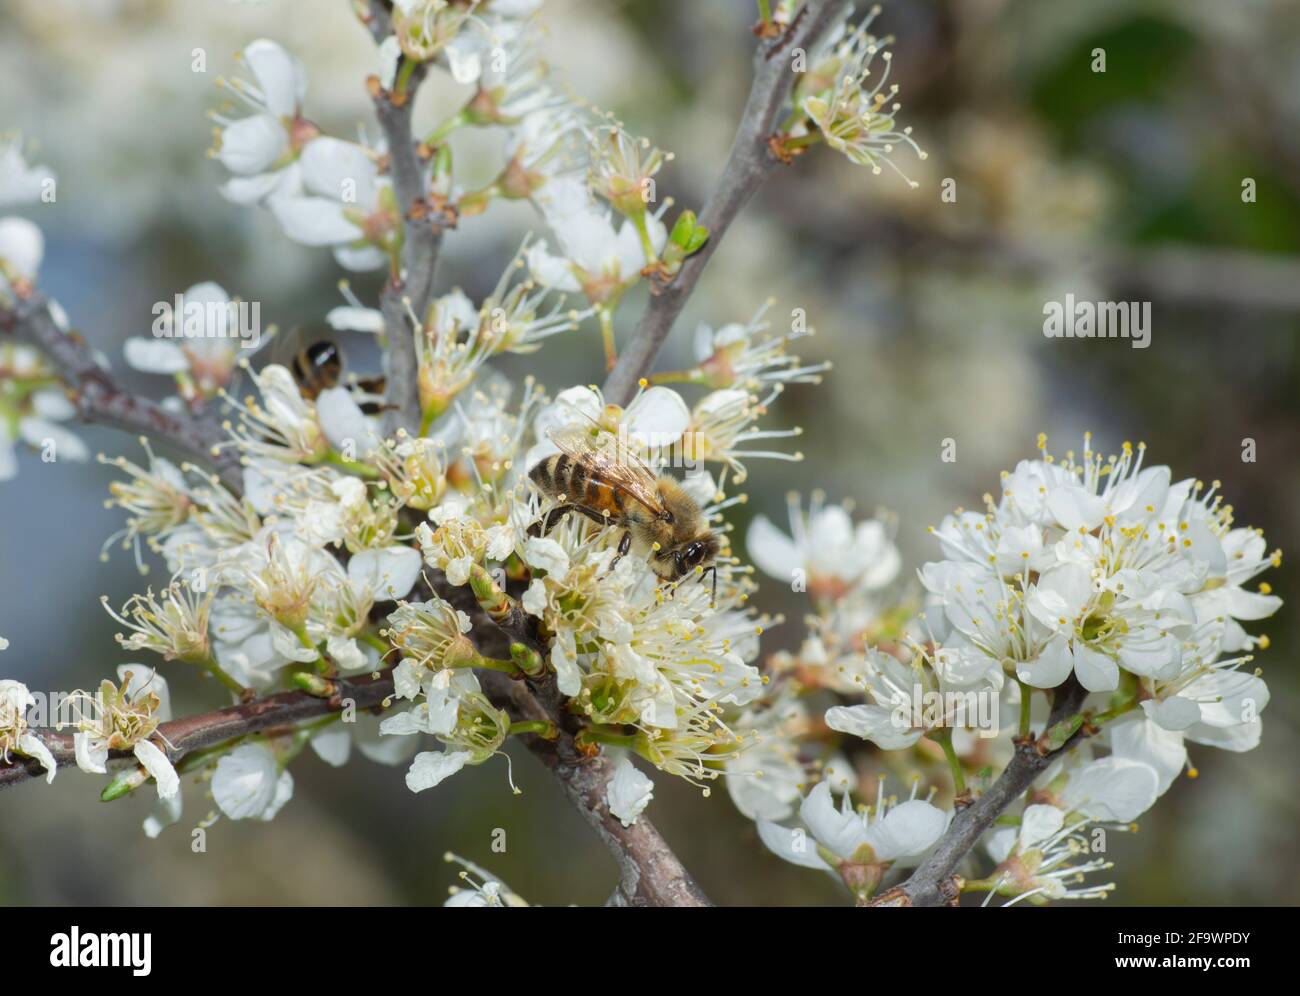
[[695, 553]]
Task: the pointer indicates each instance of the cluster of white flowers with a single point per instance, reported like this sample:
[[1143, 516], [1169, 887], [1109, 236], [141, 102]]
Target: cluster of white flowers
[[1090, 570], [338, 556], [845, 99], [32, 405]]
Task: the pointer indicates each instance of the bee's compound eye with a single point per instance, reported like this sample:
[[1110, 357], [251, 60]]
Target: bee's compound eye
[[694, 553]]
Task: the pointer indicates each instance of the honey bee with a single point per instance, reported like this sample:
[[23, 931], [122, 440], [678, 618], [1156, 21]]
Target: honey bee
[[595, 475], [319, 367]]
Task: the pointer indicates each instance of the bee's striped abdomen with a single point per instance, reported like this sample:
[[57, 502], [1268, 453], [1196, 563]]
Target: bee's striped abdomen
[[561, 475], [317, 367], [549, 475]]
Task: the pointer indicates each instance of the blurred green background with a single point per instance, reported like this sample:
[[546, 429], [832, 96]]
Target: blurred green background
[[1122, 185]]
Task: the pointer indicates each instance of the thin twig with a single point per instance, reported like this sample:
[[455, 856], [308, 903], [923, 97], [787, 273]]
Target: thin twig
[[650, 874], [99, 398], [409, 293], [934, 882], [748, 164], [220, 726]]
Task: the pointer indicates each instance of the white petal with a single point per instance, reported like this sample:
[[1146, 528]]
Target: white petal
[[1076, 508], [842, 831], [360, 259], [908, 829], [878, 552], [21, 246], [463, 58], [999, 841], [1138, 739], [1096, 671], [629, 792], [534, 599], [876, 723], [155, 762], [34, 747], [252, 145], [333, 746], [407, 676], [793, 845], [313, 221], [356, 319], [67, 445], [283, 793], [1038, 823], [550, 270], [1239, 738], [341, 171], [279, 75], [347, 654], [345, 425], [165, 812], [1051, 668], [658, 417], [1176, 713], [1113, 788], [388, 55], [388, 573], [91, 753], [546, 555], [249, 190], [773, 551], [568, 676], [431, 767], [53, 405], [244, 784], [158, 356]]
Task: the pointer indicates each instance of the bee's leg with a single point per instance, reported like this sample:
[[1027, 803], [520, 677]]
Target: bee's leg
[[624, 545], [549, 521], [711, 569]]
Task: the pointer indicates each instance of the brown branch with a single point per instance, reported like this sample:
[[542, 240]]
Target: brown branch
[[748, 164], [934, 882], [650, 874], [410, 292], [99, 399], [211, 728]]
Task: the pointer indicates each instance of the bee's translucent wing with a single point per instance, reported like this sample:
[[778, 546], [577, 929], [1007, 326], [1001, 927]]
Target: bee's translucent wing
[[610, 462]]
